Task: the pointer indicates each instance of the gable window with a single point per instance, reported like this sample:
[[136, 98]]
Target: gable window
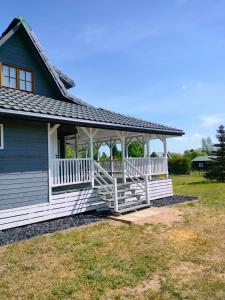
[[17, 78], [9, 76], [1, 136], [25, 80]]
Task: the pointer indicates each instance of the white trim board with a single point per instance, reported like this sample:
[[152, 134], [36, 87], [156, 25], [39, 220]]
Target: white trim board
[[1, 136]]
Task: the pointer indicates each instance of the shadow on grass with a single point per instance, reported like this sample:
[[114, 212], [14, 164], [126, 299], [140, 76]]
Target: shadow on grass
[[204, 182], [199, 182]]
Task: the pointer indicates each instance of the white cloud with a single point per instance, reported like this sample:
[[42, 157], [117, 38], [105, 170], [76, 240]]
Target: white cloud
[[199, 85], [188, 141], [212, 120], [194, 137], [184, 87]]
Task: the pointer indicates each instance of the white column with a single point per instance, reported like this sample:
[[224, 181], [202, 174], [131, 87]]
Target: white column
[[49, 165], [91, 153], [127, 151], [148, 148], [123, 145], [164, 147], [165, 162], [76, 146]]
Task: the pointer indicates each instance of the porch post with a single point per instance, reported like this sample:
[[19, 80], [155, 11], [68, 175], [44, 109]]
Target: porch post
[[165, 162], [91, 132], [148, 148], [149, 159], [76, 146], [123, 145], [164, 147], [49, 165], [127, 151], [91, 156]]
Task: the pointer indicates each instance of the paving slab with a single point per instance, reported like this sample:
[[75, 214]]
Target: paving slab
[[153, 215]]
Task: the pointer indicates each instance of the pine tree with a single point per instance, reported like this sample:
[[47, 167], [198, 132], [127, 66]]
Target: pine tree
[[216, 168]]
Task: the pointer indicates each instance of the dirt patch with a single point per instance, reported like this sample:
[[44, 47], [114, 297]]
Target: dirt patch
[[137, 292], [183, 235]]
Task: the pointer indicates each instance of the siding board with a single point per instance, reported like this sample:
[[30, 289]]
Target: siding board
[[23, 164], [62, 205]]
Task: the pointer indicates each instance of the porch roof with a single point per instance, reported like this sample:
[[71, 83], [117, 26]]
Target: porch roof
[[23, 104]]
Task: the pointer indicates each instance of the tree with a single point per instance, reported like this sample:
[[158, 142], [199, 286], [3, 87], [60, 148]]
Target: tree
[[153, 154], [136, 149], [191, 154], [207, 145], [116, 153], [70, 151], [216, 168], [103, 156]]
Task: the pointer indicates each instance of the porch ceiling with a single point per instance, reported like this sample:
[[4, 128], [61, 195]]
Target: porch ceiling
[[106, 135]]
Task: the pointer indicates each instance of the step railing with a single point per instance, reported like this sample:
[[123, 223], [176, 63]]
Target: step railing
[[137, 177], [104, 180], [69, 171], [112, 166]]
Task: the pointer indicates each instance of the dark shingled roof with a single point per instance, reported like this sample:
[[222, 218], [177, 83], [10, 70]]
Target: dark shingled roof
[[15, 102]]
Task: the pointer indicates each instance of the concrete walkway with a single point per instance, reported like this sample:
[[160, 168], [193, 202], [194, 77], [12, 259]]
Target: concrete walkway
[[153, 215]]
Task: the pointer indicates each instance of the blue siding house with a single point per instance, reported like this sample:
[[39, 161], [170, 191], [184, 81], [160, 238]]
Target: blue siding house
[[39, 120]]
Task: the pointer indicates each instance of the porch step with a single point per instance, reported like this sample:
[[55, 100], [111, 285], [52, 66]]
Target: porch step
[[132, 208], [105, 193], [119, 198], [110, 186]]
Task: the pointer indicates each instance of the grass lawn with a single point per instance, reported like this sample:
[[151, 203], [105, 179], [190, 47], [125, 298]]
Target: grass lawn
[[108, 261]]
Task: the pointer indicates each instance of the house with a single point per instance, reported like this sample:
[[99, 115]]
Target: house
[[38, 118], [201, 162]]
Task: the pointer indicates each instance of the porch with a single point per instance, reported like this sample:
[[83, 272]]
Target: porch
[[122, 185]]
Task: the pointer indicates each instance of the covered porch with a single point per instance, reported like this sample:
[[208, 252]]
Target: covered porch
[[121, 183]]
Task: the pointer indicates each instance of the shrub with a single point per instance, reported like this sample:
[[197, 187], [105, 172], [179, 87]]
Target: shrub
[[179, 165]]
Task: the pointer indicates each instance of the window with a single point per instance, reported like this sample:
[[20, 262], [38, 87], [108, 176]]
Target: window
[[17, 78], [1, 136], [9, 76], [25, 80]]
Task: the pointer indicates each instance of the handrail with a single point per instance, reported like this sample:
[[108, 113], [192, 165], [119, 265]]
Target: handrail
[[136, 170], [99, 178], [140, 183], [103, 171]]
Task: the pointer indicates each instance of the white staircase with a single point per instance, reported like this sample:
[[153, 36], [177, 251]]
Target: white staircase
[[121, 197]]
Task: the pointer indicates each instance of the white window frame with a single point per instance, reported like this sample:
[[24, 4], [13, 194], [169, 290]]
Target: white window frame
[[2, 137]]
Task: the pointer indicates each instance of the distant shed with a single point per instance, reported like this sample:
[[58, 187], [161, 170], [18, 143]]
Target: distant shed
[[201, 162]]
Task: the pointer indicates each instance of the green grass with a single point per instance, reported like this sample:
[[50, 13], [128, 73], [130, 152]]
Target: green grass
[[212, 194], [107, 261]]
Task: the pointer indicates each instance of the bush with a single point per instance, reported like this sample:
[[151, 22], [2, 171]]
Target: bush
[[179, 165]]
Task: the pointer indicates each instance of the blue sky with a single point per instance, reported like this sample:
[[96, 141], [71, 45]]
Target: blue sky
[[160, 60]]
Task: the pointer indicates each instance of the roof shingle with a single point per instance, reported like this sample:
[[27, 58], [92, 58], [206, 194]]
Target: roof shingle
[[24, 102]]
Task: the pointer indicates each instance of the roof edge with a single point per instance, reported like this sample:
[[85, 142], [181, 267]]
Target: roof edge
[[87, 123]]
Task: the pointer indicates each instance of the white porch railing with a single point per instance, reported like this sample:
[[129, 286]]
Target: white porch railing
[[150, 166], [70, 171]]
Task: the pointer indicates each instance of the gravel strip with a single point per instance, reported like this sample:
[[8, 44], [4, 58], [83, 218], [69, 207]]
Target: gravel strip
[[172, 200], [12, 235]]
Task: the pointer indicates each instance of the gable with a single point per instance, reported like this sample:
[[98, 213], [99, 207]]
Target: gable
[[19, 50]]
